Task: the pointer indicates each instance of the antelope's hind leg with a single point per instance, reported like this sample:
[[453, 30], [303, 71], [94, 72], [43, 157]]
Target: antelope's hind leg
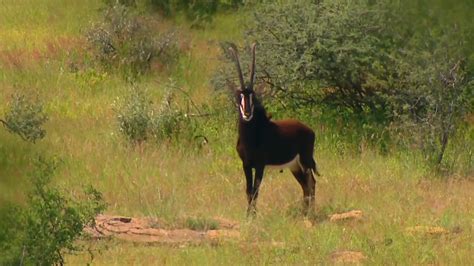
[[311, 182], [306, 180]]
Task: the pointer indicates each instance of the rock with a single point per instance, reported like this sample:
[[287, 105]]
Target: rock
[[427, 230], [351, 215]]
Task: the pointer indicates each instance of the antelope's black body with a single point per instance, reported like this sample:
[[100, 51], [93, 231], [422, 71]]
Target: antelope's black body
[[263, 142]]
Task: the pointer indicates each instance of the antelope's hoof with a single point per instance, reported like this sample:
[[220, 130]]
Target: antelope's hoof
[[251, 212]]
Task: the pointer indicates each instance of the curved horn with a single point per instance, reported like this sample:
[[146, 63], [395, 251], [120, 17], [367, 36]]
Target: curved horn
[[252, 69], [237, 64]]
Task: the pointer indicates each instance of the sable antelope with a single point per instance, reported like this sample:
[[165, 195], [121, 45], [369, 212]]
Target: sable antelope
[[279, 144]]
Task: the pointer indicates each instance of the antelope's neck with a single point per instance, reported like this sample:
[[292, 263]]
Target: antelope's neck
[[251, 132]]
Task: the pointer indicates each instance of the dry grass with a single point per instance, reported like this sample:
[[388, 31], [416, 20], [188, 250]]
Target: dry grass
[[173, 181]]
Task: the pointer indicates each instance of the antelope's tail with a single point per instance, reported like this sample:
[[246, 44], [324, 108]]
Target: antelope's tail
[[314, 168]]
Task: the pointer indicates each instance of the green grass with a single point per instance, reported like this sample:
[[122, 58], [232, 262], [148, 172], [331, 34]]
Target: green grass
[[35, 24], [38, 40]]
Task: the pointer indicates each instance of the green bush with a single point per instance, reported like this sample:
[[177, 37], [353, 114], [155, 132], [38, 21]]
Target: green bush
[[139, 119], [25, 118], [363, 65], [50, 223], [112, 3], [175, 119], [167, 121], [134, 116], [127, 42], [337, 53], [432, 100], [198, 12], [11, 234]]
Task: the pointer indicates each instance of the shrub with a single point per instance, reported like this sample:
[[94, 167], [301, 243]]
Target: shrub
[[50, 223], [431, 102], [134, 116], [11, 234], [168, 120], [126, 42], [139, 119], [171, 120], [112, 3], [198, 12], [25, 118], [366, 62], [336, 53]]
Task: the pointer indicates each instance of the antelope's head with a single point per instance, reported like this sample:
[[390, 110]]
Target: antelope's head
[[245, 94]]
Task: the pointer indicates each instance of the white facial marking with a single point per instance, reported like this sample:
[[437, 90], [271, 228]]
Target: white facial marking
[[242, 101], [243, 107]]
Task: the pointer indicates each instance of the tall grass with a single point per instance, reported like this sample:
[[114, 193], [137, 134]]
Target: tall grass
[[173, 181]]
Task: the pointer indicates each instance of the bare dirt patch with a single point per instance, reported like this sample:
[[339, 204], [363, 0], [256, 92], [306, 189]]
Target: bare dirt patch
[[153, 230], [346, 256], [149, 230]]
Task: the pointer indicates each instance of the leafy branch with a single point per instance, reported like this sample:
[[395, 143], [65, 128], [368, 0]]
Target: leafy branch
[[25, 118]]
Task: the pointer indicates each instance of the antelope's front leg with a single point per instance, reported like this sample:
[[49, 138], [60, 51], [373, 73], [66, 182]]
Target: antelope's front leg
[[249, 190], [256, 187]]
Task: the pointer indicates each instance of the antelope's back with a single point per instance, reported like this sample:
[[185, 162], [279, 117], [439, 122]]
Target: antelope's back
[[294, 129]]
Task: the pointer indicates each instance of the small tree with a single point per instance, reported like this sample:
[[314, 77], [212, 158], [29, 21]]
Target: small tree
[[432, 100], [134, 116], [139, 119], [49, 225], [369, 64], [338, 53], [25, 118]]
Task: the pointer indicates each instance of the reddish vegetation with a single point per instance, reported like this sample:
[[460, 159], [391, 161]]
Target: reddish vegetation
[[53, 49]]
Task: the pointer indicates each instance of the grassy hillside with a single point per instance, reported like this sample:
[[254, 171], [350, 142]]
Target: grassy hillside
[[39, 40]]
